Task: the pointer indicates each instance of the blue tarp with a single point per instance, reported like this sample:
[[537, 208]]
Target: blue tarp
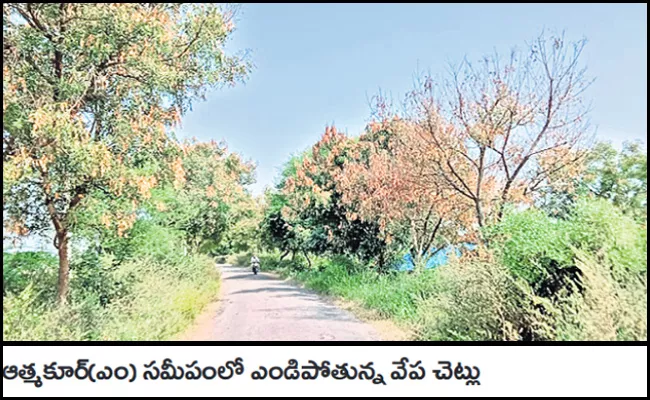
[[440, 258]]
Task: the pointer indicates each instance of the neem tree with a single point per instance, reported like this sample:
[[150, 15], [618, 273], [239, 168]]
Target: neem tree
[[89, 92], [498, 131]]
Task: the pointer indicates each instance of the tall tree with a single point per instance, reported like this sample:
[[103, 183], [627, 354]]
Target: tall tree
[[383, 185], [213, 194], [89, 92], [307, 212], [497, 132]]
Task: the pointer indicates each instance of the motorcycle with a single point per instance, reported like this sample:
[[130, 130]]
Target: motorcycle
[[256, 267]]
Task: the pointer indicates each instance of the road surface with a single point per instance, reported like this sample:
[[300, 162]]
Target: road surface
[[264, 307]]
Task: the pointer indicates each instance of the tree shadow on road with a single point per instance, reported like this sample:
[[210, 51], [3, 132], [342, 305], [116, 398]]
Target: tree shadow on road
[[324, 313], [251, 276], [269, 289]]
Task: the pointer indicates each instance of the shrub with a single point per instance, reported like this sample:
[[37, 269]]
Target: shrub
[[598, 227], [606, 309], [153, 292], [97, 276], [163, 302], [480, 299], [542, 250], [26, 317], [240, 259], [20, 269], [162, 243], [531, 244]]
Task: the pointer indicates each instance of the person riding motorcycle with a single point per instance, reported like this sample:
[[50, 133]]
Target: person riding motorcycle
[[255, 263]]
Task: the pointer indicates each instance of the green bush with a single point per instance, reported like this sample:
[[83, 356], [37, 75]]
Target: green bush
[[598, 227], [153, 293], [607, 309], [241, 259], [164, 301], [104, 276], [97, 276], [161, 243], [38, 268], [483, 300], [535, 246], [221, 259], [530, 244], [480, 300], [26, 318]]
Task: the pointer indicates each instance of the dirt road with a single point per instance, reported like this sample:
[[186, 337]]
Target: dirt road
[[263, 307]]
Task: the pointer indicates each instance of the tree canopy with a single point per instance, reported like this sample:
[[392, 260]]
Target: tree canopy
[[90, 92]]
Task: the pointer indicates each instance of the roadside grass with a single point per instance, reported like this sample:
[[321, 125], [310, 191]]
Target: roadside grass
[[162, 299]]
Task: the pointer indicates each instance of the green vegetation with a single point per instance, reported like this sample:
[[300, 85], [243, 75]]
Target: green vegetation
[[542, 281], [92, 94], [153, 294], [559, 227]]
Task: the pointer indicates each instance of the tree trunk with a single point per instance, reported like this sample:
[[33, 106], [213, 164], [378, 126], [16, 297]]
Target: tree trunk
[[307, 257], [479, 212], [419, 263], [502, 206], [381, 261], [286, 253], [64, 267]]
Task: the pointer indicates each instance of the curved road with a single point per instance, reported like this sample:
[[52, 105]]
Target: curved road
[[263, 307]]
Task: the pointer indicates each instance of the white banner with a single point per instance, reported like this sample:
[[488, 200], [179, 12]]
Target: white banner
[[234, 371]]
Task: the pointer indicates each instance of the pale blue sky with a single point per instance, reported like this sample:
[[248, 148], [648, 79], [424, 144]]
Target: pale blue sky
[[316, 64]]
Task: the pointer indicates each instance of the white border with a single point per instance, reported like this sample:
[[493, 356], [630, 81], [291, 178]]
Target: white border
[[506, 371]]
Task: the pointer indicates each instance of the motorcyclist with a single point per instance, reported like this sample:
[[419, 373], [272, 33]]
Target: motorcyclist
[[255, 262]]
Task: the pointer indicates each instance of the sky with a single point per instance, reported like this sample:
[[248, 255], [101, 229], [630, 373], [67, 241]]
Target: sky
[[318, 64]]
